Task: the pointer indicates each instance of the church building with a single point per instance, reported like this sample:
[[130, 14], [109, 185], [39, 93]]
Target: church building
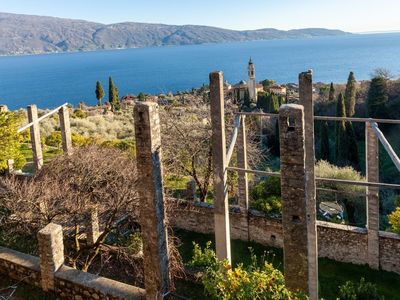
[[240, 91]]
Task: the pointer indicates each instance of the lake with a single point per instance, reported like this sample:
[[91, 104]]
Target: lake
[[52, 79]]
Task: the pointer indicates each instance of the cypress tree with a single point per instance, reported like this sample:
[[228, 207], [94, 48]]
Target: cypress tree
[[341, 140], [331, 93], [274, 104], [350, 95], [99, 93], [352, 153], [246, 99], [325, 152], [377, 98], [141, 96], [113, 97]]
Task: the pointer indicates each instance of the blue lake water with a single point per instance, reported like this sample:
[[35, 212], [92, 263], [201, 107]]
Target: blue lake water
[[50, 80]]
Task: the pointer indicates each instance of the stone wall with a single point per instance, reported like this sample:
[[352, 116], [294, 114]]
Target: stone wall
[[20, 266], [335, 241], [68, 283]]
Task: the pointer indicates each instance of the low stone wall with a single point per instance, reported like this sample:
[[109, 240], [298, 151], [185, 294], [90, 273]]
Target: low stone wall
[[335, 241], [68, 283], [74, 284], [20, 266]]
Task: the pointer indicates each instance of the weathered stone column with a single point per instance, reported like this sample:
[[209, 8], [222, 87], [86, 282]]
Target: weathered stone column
[[10, 166], [151, 193], [306, 99], [372, 172], [51, 253], [191, 190], [65, 130], [221, 205], [294, 198], [35, 138], [243, 184], [92, 227]]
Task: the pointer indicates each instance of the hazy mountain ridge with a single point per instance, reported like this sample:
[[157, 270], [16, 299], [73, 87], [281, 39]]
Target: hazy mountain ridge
[[26, 34]]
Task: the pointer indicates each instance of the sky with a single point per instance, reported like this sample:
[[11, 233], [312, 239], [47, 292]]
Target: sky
[[348, 15]]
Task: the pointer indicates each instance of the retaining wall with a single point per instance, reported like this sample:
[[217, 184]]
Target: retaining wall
[[335, 241]]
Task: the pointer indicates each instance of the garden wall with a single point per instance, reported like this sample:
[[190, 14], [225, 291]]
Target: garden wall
[[335, 241], [68, 283]]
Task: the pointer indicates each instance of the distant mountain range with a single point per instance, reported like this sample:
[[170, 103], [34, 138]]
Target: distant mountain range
[[26, 34]]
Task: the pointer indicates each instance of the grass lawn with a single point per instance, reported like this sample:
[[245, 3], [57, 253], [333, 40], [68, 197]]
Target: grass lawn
[[48, 154], [331, 273]]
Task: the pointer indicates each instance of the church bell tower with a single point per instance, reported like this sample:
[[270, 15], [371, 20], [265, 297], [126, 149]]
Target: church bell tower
[[252, 82]]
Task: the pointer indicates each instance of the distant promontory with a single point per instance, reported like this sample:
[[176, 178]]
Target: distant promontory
[[26, 34]]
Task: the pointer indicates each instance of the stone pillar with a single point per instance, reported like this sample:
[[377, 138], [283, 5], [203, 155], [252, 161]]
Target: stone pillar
[[221, 205], [151, 193], [92, 227], [372, 172], [191, 190], [51, 253], [35, 137], [243, 184], [10, 166], [65, 130], [294, 197], [306, 99]]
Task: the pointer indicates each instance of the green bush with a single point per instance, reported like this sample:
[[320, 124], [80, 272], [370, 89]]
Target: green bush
[[271, 205], [256, 281], [10, 140], [267, 196], [203, 258], [359, 291], [394, 221], [79, 113], [54, 139], [133, 242], [324, 169]]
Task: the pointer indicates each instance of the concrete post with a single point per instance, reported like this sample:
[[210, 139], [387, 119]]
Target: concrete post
[[35, 138], [191, 190], [306, 99], [294, 198], [10, 166], [243, 184], [92, 229], [65, 130], [221, 205], [151, 193], [372, 172], [51, 253]]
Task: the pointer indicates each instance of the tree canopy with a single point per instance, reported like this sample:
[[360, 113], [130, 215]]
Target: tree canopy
[[99, 93], [350, 95], [113, 97]]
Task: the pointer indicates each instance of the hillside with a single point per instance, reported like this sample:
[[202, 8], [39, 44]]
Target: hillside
[[26, 34]]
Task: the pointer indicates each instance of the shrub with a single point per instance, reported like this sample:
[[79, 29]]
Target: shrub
[[267, 196], [359, 291], [394, 220], [79, 113], [203, 258], [271, 205], [268, 187], [325, 170], [54, 139], [256, 281], [9, 140]]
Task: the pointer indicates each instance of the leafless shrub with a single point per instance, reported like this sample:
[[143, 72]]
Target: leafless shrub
[[65, 191]]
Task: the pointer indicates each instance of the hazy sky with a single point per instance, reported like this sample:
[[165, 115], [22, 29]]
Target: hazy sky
[[350, 15]]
